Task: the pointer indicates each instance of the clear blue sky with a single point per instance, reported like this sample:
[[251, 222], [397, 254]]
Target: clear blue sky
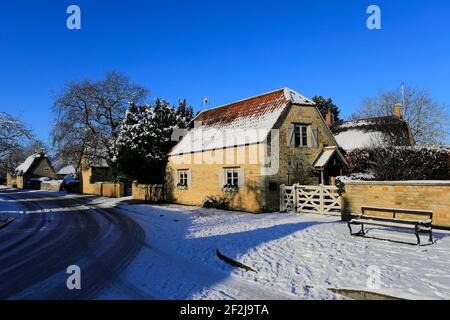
[[223, 49]]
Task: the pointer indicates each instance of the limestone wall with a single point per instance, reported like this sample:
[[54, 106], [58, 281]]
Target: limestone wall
[[424, 195]]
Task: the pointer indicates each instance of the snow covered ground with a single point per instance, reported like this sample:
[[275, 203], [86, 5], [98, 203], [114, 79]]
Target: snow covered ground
[[296, 257]]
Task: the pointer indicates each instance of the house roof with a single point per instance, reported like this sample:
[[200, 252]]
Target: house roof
[[66, 170], [247, 121], [372, 131], [26, 165], [326, 155]]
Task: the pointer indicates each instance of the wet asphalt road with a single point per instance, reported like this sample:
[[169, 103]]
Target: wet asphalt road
[[51, 232]]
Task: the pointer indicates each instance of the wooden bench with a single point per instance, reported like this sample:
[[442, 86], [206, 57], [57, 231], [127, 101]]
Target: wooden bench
[[419, 226]]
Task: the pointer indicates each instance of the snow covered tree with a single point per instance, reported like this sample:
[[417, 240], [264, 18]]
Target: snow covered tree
[[13, 135], [185, 114], [141, 148]]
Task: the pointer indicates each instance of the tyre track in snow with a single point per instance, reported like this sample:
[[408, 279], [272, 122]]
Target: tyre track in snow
[[102, 241]]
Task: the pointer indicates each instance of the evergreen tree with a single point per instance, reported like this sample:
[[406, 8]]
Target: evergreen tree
[[325, 105]]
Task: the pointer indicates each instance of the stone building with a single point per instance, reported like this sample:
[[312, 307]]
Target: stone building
[[245, 150], [33, 170]]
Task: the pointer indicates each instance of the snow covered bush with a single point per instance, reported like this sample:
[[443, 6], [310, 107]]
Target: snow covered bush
[[393, 163], [141, 148]]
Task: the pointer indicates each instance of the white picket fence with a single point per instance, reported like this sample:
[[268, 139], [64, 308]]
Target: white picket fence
[[310, 199]]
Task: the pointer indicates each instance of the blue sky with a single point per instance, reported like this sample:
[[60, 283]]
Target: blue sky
[[225, 50]]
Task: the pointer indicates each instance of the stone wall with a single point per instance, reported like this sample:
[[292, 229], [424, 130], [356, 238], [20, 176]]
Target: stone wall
[[10, 180], [422, 195], [112, 190], [206, 172], [291, 157], [51, 185], [20, 182], [150, 193]]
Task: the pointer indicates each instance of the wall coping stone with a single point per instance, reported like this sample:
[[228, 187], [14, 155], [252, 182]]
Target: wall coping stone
[[401, 183]]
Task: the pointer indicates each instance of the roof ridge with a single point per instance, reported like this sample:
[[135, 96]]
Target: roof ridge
[[241, 100], [373, 118], [287, 95]]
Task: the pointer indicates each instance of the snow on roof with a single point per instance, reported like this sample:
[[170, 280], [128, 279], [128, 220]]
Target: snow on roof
[[353, 139], [247, 121], [67, 170], [373, 131], [26, 165], [326, 155]]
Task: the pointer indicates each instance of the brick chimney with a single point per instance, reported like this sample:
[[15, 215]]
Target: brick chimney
[[398, 111], [329, 119]]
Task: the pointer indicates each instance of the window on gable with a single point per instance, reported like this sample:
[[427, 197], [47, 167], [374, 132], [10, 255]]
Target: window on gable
[[301, 135]]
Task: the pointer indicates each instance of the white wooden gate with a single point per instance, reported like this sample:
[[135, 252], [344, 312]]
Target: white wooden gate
[[310, 199]]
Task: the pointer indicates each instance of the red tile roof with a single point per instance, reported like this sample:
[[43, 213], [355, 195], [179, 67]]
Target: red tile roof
[[250, 107], [224, 126]]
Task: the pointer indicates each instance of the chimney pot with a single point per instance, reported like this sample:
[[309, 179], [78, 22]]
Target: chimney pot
[[398, 111], [329, 118]]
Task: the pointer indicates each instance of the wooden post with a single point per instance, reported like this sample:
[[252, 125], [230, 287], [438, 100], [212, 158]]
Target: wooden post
[[321, 199], [282, 198], [296, 198]]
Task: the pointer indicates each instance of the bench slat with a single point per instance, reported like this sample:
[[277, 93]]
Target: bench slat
[[397, 210], [406, 221], [387, 224]]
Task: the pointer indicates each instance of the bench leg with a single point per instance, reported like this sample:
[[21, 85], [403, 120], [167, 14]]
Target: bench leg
[[350, 228], [417, 235], [363, 232], [431, 236]]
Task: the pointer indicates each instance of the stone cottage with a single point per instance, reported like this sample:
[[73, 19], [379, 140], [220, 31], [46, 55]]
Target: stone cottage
[[33, 170], [246, 149]]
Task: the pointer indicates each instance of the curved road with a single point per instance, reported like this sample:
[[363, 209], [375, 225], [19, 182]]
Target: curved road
[[50, 233]]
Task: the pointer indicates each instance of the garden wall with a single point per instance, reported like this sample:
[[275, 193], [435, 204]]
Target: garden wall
[[104, 189], [148, 192], [51, 185], [424, 195], [10, 180], [112, 190]]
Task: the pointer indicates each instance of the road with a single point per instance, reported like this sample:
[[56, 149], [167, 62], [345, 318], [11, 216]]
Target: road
[[121, 254], [51, 233]]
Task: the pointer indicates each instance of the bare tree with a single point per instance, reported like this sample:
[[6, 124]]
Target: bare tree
[[428, 119], [88, 114], [13, 134]]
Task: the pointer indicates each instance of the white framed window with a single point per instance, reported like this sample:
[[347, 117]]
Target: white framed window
[[232, 177], [183, 178]]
